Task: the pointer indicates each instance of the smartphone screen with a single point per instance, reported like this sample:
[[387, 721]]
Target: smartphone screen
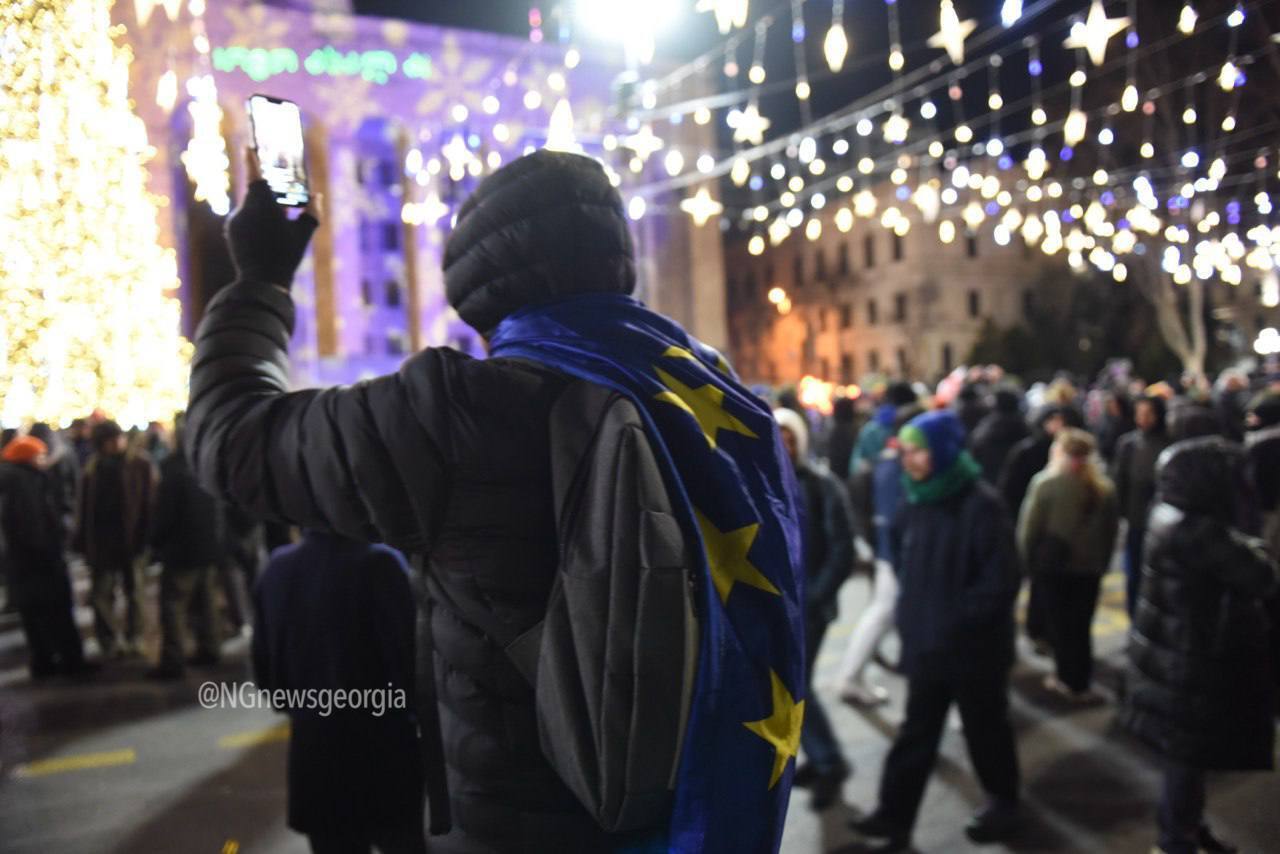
[[277, 136]]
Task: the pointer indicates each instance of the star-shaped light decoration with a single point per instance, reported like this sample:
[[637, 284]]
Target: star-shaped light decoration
[[750, 126], [1095, 32], [644, 143], [727, 558], [457, 154], [432, 210], [729, 13], [701, 207], [705, 404], [952, 32], [782, 728]]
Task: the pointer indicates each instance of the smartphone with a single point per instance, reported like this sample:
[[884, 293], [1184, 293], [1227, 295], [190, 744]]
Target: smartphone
[[277, 137]]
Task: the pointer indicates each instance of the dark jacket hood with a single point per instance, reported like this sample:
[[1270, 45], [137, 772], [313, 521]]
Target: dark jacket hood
[[1201, 475], [542, 228]]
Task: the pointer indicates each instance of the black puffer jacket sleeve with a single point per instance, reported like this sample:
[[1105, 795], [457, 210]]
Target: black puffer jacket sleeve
[[339, 459]]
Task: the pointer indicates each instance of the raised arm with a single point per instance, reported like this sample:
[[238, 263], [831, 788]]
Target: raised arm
[[336, 459]]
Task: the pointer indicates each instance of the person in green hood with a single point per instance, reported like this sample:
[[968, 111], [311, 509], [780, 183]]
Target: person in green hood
[[958, 575]]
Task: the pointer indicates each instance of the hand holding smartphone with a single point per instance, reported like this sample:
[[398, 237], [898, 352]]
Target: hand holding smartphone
[[277, 141]]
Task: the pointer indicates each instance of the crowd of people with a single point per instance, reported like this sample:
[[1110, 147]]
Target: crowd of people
[[753, 516], [957, 495]]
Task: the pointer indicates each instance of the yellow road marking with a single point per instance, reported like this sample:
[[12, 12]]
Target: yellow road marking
[[79, 762], [280, 732]]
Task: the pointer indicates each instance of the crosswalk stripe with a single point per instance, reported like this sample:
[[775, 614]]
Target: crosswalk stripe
[[79, 762]]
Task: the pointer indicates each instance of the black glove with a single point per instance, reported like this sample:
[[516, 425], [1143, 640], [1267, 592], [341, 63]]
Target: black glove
[[266, 245]]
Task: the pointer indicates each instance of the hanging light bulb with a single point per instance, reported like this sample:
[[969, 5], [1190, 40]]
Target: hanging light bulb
[[1129, 100], [896, 60], [1187, 19], [1010, 12], [835, 47], [1039, 116], [1074, 128], [1228, 76], [740, 172]]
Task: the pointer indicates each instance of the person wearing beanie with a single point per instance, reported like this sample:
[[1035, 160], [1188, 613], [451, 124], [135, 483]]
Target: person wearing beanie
[[117, 494], [827, 544], [958, 572], [35, 562], [450, 461]]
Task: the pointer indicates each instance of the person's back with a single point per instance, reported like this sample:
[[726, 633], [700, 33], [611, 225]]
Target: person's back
[[997, 433], [336, 615], [450, 460]]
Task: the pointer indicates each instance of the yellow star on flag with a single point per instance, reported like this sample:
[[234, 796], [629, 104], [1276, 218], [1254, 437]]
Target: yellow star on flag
[[674, 352], [727, 558], [705, 403], [782, 728]]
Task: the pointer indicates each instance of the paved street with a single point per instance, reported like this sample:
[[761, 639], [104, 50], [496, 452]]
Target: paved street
[[122, 764]]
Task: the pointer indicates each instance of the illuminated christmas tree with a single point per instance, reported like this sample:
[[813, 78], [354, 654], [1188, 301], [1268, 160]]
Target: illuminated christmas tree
[[88, 314]]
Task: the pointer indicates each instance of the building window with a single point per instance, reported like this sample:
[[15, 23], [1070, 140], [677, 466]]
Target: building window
[[975, 304], [768, 278], [842, 262], [797, 272], [820, 266], [393, 293], [869, 251], [825, 370], [749, 286], [395, 343], [971, 245], [846, 316], [899, 307], [897, 246], [873, 360], [386, 172], [366, 292], [390, 236], [846, 368], [873, 315], [1028, 303], [948, 359], [904, 369]]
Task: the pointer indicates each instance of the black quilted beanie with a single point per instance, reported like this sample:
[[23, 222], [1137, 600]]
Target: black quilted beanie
[[544, 227]]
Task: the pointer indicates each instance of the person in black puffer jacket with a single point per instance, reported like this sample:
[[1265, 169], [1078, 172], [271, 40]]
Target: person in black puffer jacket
[[447, 460], [1199, 686], [997, 433]]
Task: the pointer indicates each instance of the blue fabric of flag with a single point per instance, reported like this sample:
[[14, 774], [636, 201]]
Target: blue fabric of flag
[[730, 481]]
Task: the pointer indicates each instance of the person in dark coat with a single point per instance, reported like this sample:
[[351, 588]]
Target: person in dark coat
[[995, 436], [447, 460], [957, 568], [843, 436], [35, 563], [1134, 474], [827, 538], [1027, 459], [970, 407], [117, 491], [1200, 688], [63, 468], [1117, 420], [334, 614], [187, 537]]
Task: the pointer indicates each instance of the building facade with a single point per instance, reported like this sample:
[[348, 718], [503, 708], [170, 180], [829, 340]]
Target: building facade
[[402, 121]]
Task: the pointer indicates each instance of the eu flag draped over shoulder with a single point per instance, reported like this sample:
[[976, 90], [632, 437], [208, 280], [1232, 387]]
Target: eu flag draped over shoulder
[[720, 448]]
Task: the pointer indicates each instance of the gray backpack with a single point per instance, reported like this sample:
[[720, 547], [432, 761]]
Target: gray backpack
[[613, 662]]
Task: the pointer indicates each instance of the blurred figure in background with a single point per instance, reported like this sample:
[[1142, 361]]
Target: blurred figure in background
[[334, 613], [64, 471], [1134, 473], [35, 562], [843, 436], [998, 433], [1117, 419], [1066, 536], [1200, 683], [876, 619], [827, 538], [116, 498], [187, 538]]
